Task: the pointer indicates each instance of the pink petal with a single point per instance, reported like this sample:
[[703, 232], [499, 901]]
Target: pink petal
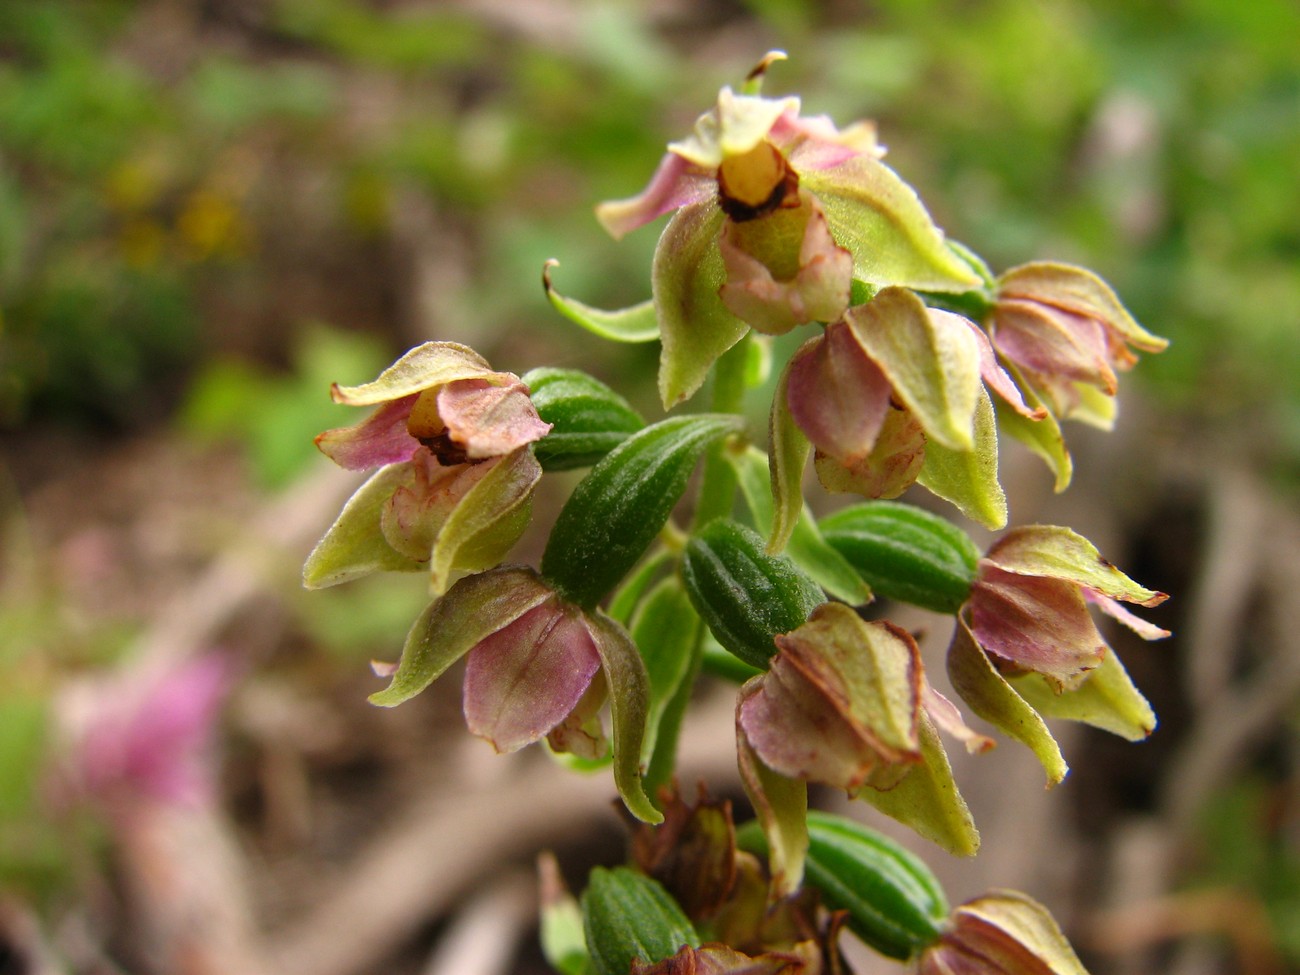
[[489, 420], [1053, 342], [814, 143], [379, 439], [675, 183], [997, 379], [838, 396], [523, 680], [892, 466], [1036, 623], [947, 717], [1116, 610]]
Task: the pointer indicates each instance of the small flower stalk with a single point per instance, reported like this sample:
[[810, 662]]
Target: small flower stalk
[[914, 360]]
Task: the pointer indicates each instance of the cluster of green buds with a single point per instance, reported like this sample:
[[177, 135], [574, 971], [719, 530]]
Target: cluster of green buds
[[918, 357]]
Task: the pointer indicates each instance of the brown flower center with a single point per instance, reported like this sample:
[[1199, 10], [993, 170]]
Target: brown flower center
[[756, 182]]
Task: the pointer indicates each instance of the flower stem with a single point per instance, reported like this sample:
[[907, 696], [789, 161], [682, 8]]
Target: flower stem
[[718, 485]]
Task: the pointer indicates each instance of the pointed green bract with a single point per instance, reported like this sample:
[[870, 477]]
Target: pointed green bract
[[781, 805], [487, 521], [1059, 553], [905, 553], [664, 630], [927, 800], [1106, 700], [425, 366], [617, 510], [883, 223], [969, 478], [745, 596], [989, 695], [788, 451], [694, 326], [932, 360], [806, 548], [354, 545], [474, 608], [636, 323], [629, 701], [588, 419]]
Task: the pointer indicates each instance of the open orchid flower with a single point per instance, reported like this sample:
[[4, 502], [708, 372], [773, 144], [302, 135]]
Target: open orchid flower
[[776, 215], [1002, 932], [451, 438], [1068, 335]]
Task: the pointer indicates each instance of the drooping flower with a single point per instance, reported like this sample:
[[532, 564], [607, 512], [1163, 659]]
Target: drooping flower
[[776, 215], [1068, 335], [537, 667], [451, 438], [1029, 604], [1002, 932], [885, 382]]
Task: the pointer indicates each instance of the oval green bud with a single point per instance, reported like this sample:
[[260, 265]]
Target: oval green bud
[[894, 902], [616, 511], [745, 596], [588, 419], [628, 916], [905, 553]]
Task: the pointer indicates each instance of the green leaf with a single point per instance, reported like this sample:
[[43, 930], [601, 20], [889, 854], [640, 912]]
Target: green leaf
[[487, 521], [989, 695], [969, 478], [629, 917], [636, 323], [588, 419], [664, 629], [788, 451], [620, 506], [905, 553], [894, 902], [806, 548], [927, 800], [1107, 700], [629, 701], [695, 327], [745, 596], [354, 545], [882, 221], [931, 358], [474, 608]]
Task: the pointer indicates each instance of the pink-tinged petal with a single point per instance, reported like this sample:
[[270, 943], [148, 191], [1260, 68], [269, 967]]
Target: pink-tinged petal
[[424, 367], [422, 503], [840, 703], [487, 420], [997, 379], [1078, 290], [1036, 624], [838, 396], [814, 143], [947, 717], [1053, 343], [1001, 933], [764, 295], [1144, 629], [675, 183], [581, 732], [1060, 553], [523, 680], [379, 439], [892, 466]]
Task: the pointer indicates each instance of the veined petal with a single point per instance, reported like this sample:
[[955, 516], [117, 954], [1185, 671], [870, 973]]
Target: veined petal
[[838, 395], [1059, 553], [931, 358], [1035, 623], [1001, 933], [997, 379], [379, 439], [1054, 344], [676, 183], [489, 420], [425, 366], [524, 679]]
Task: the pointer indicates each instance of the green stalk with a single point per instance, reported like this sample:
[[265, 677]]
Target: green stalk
[[718, 485]]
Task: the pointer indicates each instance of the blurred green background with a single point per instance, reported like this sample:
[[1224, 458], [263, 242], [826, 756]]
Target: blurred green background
[[210, 209]]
